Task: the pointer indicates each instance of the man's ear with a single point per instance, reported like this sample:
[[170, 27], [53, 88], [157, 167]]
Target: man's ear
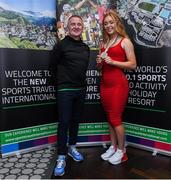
[[67, 29]]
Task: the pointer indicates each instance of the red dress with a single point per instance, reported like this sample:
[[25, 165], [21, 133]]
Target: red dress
[[114, 86]]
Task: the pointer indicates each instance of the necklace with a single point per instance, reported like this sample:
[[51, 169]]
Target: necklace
[[104, 54]]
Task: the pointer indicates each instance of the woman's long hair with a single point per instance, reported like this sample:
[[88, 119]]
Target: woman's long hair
[[120, 29]]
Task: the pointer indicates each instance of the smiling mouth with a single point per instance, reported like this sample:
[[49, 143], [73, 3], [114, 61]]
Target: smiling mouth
[[110, 30]]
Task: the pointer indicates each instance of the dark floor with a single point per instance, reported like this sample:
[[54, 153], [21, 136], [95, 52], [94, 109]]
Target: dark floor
[[140, 165]]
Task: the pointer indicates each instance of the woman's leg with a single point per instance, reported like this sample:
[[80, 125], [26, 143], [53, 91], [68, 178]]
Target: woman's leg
[[120, 133], [113, 136]]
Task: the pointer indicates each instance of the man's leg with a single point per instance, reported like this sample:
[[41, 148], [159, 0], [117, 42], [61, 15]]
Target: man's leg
[[64, 115], [64, 102], [78, 107]]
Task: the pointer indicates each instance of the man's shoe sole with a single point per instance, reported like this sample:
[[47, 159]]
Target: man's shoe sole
[[59, 174], [74, 158]]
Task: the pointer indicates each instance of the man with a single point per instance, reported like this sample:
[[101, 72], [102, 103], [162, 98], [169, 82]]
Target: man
[[72, 56]]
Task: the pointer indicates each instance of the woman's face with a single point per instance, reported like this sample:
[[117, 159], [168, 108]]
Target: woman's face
[[109, 25]]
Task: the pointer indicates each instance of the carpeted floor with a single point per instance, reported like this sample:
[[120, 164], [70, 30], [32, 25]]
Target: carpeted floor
[[33, 165]]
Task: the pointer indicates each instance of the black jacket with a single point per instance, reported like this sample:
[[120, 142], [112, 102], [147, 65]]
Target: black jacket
[[71, 58]]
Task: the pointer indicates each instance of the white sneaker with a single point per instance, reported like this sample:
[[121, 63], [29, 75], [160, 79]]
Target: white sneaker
[[111, 151], [118, 157]]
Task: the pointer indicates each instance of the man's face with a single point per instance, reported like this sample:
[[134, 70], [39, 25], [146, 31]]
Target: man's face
[[75, 27]]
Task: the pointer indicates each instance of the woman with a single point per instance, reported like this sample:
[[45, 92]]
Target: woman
[[116, 54]]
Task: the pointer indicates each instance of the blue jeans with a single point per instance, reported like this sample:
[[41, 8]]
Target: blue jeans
[[70, 108]]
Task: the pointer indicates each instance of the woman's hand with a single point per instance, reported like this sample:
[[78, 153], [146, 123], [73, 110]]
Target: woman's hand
[[108, 60], [99, 62], [99, 59]]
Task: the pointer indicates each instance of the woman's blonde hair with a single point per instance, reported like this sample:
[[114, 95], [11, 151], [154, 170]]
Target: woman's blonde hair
[[120, 29]]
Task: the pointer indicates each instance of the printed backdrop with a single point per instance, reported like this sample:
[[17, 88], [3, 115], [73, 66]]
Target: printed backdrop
[[28, 102], [148, 24], [148, 110]]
